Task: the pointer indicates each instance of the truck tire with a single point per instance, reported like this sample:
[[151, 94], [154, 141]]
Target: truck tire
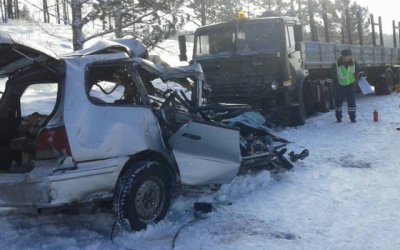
[[385, 85], [142, 196], [298, 115], [324, 105], [332, 96]]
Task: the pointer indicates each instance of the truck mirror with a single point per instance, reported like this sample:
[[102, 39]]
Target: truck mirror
[[299, 46], [298, 33], [182, 48]]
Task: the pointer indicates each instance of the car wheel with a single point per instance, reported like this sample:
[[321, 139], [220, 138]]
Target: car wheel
[[142, 196]]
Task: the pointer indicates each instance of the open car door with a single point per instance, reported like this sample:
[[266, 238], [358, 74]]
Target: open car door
[[17, 53], [206, 152]]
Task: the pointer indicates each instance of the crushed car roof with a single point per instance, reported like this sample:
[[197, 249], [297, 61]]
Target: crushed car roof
[[15, 51], [166, 72], [130, 46]]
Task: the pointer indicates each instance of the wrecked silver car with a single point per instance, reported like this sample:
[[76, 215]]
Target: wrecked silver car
[[114, 135]]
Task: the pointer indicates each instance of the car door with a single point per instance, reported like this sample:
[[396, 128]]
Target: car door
[[206, 152]]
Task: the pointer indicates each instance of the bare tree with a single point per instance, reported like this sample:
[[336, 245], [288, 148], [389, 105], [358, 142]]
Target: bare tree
[[58, 11], [2, 14], [155, 19], [5, 11], [46, 14], [65, 11], [10, 9]]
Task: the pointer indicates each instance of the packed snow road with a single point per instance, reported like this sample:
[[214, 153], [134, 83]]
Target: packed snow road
[[345, 195]]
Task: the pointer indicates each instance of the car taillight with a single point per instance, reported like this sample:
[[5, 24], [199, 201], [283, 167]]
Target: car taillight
[[52, 143]]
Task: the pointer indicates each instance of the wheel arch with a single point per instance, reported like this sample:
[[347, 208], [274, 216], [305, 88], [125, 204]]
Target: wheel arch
[[156, 156], [294, 97]]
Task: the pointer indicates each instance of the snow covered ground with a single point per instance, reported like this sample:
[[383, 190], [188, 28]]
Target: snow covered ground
[[345, 195]]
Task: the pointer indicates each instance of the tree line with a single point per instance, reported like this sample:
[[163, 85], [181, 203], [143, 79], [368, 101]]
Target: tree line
[[152, 21]]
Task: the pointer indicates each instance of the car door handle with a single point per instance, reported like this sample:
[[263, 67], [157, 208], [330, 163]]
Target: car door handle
[[192, 137]]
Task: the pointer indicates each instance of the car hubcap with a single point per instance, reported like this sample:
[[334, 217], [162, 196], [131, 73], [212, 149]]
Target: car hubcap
[[150, 199]]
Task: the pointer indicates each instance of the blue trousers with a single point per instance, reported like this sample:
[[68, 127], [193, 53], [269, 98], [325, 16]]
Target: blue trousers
[[348, 92]]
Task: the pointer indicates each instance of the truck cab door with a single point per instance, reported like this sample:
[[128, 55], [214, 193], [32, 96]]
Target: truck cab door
[[295, 59]]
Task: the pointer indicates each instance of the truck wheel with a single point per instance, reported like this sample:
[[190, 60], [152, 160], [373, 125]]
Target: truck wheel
[[142, 196], [324, 105], [385, 85], [299, 113], [332, 96]]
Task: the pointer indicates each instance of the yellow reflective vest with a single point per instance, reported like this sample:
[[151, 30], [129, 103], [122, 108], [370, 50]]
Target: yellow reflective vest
[[346, 76]]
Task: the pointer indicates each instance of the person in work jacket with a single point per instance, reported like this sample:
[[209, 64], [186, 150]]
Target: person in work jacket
[[344, 72]]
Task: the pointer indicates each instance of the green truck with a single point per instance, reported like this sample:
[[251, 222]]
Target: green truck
[[266, 63]]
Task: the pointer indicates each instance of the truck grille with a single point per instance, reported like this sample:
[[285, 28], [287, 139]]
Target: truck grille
[[244, 78]]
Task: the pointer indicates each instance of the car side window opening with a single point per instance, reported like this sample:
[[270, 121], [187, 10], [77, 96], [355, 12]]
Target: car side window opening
[[39, 98], [158, 89], [112, 86]]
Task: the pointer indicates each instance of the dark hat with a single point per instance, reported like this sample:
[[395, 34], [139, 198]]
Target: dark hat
[[346, 52]]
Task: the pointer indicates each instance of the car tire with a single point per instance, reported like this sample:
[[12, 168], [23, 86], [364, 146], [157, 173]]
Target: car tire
[[142, 196]]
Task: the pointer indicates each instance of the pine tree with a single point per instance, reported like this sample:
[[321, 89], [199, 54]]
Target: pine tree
[[25, 13]]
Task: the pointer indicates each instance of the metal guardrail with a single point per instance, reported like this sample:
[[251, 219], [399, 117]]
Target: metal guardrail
[[322, 55]]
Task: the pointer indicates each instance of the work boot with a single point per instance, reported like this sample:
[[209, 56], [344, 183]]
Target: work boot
[[354, 121], [339, 120]]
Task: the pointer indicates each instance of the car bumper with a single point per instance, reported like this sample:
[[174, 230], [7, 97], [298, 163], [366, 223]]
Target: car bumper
[[44, 187]]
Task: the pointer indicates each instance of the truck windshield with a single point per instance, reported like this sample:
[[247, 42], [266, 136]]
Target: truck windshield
[[253, 37], [218, 41], [259, 37]]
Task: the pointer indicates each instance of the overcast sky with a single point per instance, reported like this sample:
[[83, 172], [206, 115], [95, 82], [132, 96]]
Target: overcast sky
[[388, 9]]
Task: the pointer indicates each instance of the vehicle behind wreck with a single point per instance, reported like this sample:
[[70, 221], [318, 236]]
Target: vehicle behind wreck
[[113, 135]]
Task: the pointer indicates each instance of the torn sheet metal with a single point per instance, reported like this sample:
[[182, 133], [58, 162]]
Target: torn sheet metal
[[253, 122]]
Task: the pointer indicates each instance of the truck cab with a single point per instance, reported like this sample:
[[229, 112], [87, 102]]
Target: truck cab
[[254, 61]]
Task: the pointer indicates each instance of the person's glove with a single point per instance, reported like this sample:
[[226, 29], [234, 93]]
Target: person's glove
[[361, 74]]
